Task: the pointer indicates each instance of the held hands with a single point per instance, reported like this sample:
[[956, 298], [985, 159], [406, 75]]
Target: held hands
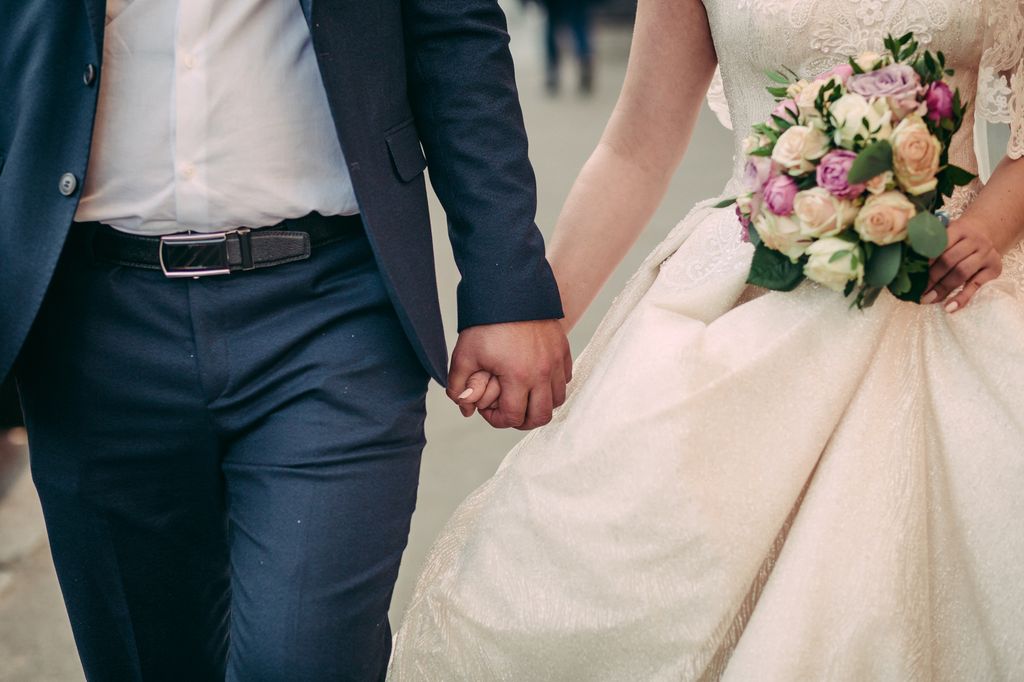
[[970, 260], [513, 373]]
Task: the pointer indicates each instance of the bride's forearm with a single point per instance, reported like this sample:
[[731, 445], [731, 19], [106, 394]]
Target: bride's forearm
[[608, 207], [670, 66], [1000, 205]]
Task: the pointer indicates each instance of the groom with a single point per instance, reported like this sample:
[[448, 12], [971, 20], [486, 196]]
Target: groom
[[220, 307]]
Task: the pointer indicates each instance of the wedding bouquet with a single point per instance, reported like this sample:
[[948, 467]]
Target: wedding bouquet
[[847, 178]]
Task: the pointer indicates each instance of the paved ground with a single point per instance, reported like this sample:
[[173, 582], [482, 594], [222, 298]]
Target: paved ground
[[35, 641]]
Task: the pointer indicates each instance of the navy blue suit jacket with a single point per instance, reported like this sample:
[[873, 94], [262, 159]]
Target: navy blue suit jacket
[[397, 73]]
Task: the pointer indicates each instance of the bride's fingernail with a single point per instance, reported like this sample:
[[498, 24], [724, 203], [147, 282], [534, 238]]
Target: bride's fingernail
[[929, 297], [465, 394], [952, 307]]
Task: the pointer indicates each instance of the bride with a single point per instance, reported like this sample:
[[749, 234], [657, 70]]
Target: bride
[[751, 485]]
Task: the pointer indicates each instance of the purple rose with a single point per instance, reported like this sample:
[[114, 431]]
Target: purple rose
[[779, 193], [744, 226], [834, 172], [940, 101], [898, 83], [840, 73], [759, 169]]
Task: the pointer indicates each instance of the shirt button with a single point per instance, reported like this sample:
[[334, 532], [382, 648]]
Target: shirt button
[[188, 171], [90, 74], [189, 61], [68, 184]]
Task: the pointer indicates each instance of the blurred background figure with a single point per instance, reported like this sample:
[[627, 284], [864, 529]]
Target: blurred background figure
[[12, 437], [573, 17]]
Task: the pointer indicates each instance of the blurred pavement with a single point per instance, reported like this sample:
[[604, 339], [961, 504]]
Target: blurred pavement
[[35, 639]]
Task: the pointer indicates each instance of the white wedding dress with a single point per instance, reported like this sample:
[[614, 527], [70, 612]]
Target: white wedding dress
[[764, 487]]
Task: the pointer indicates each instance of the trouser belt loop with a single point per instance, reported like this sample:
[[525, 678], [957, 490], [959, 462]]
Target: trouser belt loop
[[245, 248]]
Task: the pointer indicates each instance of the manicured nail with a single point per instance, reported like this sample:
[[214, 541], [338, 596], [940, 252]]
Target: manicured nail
[[929, 297], [465, 394], [952, 307]]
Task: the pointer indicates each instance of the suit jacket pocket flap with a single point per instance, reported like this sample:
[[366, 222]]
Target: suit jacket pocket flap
[[406, 153]]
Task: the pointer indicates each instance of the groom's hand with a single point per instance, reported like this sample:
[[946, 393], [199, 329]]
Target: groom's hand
[[522, 367]]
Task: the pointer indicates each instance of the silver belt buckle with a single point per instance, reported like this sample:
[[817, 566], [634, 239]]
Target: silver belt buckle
[[201, 262]]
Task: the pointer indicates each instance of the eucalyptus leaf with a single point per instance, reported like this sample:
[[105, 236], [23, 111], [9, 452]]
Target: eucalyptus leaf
[[725, 203], [884, 265], [927, 235], [772, 270], [916, 283], [873, 161]]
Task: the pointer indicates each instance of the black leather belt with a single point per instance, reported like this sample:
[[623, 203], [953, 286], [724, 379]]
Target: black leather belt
[[202, 254]]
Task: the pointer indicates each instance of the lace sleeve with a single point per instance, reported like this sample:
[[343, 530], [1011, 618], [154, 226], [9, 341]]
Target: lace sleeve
[[1001, 72]]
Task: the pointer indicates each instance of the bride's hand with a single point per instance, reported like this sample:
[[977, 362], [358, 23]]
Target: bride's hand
[[482, 392], [970, 261]]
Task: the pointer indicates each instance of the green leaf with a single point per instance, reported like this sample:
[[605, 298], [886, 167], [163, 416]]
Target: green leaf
[[873, 161], [761, 151], [755, 238], [778, 91], [868, 296], [958, 176], [927, 235], [772, 270], [925, 202], [725, 203], [884, 265], [840, 254], [807, 182], [901, 285], [914, 285], [777, 77]]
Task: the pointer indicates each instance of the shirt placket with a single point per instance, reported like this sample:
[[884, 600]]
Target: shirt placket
[[191, 115]]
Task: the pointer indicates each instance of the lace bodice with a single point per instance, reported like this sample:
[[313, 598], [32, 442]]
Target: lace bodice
[[983, 41]]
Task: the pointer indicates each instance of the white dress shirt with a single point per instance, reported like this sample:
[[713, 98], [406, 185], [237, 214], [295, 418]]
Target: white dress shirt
[[211, 115]]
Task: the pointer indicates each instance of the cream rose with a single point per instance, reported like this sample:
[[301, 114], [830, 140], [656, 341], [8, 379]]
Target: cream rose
[[752, 142], [884, 218], [829, 270], [781, 234], [880, 183], [798, 147], [915, 156], [850, 113], [868, 60], [821, 213], [806, 98], [794, 89]]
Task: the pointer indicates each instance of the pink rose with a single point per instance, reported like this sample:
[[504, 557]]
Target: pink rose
[[779, 193], [841, 73], [833, 174], [940, 101], [786, 105]]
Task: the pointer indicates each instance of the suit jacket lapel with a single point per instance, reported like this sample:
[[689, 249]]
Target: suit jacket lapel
[[96, 10]]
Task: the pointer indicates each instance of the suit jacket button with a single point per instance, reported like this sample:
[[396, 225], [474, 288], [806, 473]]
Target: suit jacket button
[[68, 184], [90, 74]]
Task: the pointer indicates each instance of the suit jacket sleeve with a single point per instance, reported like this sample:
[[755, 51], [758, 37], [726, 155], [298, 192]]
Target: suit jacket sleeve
[[463, 93]]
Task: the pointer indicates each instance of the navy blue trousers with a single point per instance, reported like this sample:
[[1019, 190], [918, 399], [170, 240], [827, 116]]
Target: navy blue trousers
[[227, 466]]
